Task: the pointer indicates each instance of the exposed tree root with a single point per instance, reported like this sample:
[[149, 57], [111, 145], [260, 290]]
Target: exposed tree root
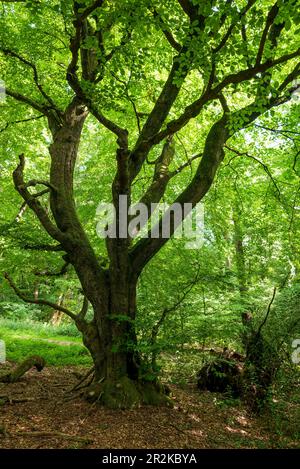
[[83, 378], [30, 362], [41, 434], [15, 400], [126, 393]]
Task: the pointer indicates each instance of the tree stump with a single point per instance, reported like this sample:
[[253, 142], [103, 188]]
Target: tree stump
[[221, 375]]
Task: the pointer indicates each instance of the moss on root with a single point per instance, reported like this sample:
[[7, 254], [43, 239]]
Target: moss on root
[[126, 393], [153, 394]]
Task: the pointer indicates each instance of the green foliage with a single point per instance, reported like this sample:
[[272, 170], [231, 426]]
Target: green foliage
[[41, 329], [57, 349], [19, 311]]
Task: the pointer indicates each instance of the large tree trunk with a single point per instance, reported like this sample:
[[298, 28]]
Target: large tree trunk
[[118, 382], [110, 336]]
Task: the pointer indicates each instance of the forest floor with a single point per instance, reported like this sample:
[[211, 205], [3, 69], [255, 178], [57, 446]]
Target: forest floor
[[50, 419]]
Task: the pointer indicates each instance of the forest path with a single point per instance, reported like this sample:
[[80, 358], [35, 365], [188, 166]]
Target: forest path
[[51, 341]]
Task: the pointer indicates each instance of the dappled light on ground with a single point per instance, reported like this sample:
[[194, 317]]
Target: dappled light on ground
[[54, 419]]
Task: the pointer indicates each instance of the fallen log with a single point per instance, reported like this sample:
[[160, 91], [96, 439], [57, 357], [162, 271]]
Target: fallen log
[[15, 400], [30, 362]]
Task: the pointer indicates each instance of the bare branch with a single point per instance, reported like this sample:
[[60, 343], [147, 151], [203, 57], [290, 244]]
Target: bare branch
[[213, 155], [192, 110], [161, 176], [122, 134], [83, 15], [44, 247], [250, 3], [24, 99], [20, 122], [11, 53], [269, 21], [249, 73], [157, 117], [171, 40], [189, 9], [22, 211], [280, 131], [72, 67], [168, 35], [295, 73], [75, 84], [23, 297], [35, 182], [245, 40], [268, 312], [262, 164], [224, 103], [186, 164], [33, 203], [48, 273]]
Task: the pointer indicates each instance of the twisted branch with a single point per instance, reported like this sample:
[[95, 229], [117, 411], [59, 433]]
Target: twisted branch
[[23, 297]]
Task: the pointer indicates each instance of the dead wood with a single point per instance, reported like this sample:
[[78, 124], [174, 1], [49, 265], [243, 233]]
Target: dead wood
[[30, 362]]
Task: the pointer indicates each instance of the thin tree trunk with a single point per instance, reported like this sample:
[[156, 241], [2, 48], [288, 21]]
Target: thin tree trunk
[[57, 315], [239, 251], [36, 291]]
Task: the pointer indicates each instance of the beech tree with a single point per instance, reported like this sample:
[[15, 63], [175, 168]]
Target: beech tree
[[145, 72]]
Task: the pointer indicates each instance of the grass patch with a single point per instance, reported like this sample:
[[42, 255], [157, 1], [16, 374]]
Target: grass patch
[[32, 339], [42, 329]]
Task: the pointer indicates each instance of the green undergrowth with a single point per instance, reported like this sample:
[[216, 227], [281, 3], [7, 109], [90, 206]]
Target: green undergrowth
[[23, 339]]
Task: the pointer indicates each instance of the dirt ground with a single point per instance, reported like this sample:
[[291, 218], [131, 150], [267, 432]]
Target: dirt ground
[[53, 418]]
